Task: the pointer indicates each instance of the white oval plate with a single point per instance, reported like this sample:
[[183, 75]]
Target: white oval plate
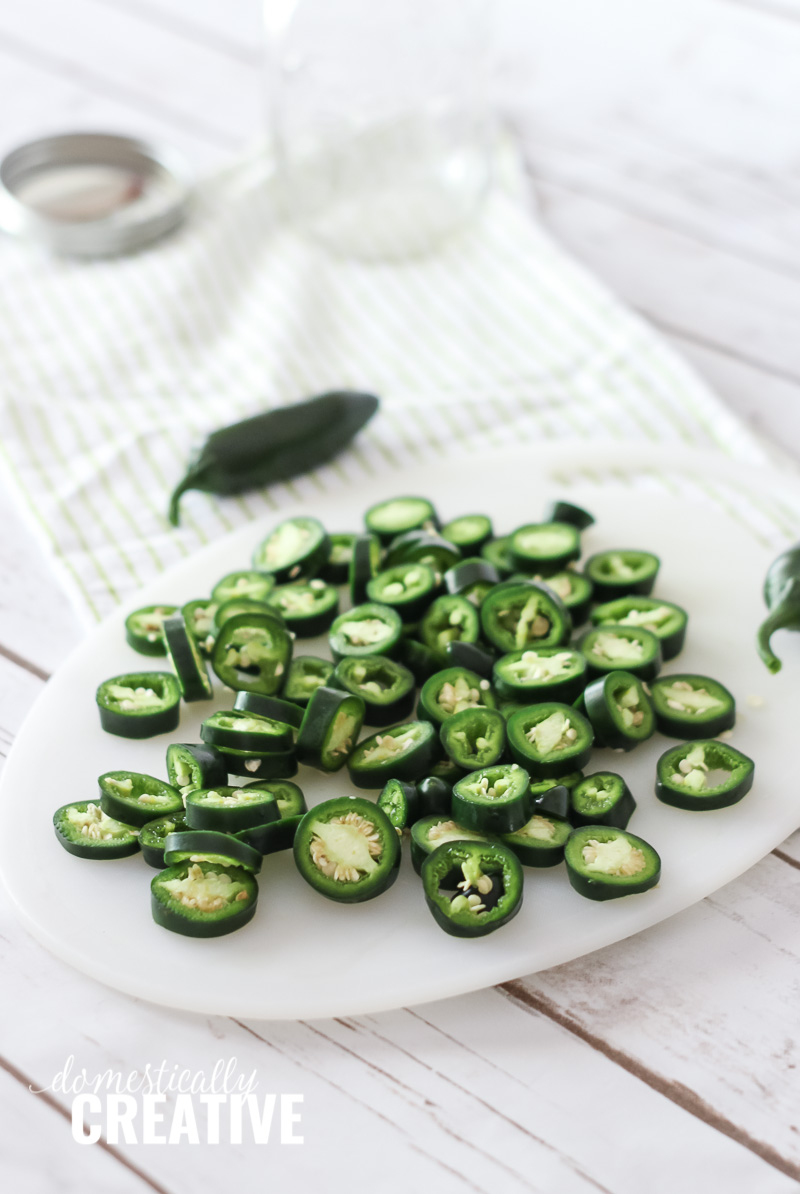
[[303, 956]]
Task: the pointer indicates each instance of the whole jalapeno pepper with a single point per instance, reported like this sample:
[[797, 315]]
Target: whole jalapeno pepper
[[782, 598]]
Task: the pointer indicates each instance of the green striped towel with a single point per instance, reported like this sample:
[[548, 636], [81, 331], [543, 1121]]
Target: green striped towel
[[113, 370]]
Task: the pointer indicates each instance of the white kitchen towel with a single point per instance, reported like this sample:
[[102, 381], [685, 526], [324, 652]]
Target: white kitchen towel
[[113, 370]]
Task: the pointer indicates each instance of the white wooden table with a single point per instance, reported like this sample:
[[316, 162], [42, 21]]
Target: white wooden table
[[663, 141]]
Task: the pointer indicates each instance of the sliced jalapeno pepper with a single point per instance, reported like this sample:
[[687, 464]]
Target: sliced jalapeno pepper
[[540, 841], [449, 619], [664, 619], [244, 731], [620, 711], [199, 617], [452, 690], [575, 590], [191, 765], [396, 516], [186, 660], [622, 648], [550, 739], [306, 674], [551, 797], [272, 708], [144, 629], [690, 707], [153, 836], [400, 803], [494, 799], [347, 850], [472, 578], [404, 752], [469, 532], [199, 899], [422, 547], [470, 656], [337, 568], [272, 836], [576, 516], [83, 829], [242, 605], [544, 546], [139, 704], [252, 652], [365, 564], [209, 846], [296, 548], [435, 792], [540, 674], [368, 629], [278, 764], [229, 810], [307, 609], [490, 891], [255, 585], [474, 738], [136, 799], [330, 729], [516, 615], [386, 687], [428, 833], [497, 552], [602, 799], [419, 659], [604, 863], [703, 775], [622, 573], [408, 588]]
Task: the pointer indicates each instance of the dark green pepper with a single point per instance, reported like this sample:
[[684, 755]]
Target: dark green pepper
[[490, 892], [782, 598]]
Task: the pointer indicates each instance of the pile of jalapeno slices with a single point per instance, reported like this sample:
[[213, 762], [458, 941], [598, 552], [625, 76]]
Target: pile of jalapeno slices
[[467, 682]]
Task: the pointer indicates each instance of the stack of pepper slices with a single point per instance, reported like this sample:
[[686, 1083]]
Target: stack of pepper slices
[[486, 780]]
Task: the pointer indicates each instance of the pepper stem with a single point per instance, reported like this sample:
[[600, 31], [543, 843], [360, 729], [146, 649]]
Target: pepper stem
[[175, 498], [784, 614]]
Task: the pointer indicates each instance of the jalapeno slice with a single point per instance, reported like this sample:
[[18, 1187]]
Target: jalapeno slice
[[288, 796], [474, 738], [252, 652], [604, 863], [209, 846], [621, 573], [689, 706], [703, 775], [494, 799], [296, 548], [449, 619], [431, 832], [186, 660], [451, 691], [540, 674], [422, 547], [272, 836], [83, 829], [191, 765], [397, 516], [306, 674], [620, 711], [576, 516], [622, 648], [153, 837], [273, 708], [365, 564], [497, 553], [242, 605], [468, 532], [386, 687], [664, 619], [368, 629], [400, 803], [244, 731], [435, 792], [144, 629], [575, 590], [517, 615], [602, 799], [139, 704], [550, 797], [199, 617], [247, 583], [307, 609], [419, 659], [229, 810], [408, 588], [135, 799], [347, 850], [330, 729], [550, 739], [472, 578], [198, 899], [337, 568], [540, 841], [544, 546], [278, 764], [470, 656], [490, 891], [403, 752]]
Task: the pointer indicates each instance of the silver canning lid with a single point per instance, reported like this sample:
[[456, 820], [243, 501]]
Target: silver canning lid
[[91, 194]]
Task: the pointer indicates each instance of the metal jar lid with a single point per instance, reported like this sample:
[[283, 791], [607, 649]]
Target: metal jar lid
[[91, 194]]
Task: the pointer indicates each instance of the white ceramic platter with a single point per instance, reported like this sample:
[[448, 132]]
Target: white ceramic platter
[[304, 956]]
